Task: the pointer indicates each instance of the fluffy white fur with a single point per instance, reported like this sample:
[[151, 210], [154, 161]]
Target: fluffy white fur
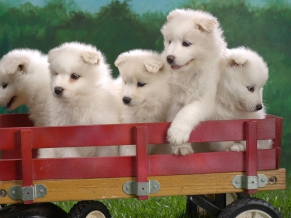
[[239, 93], [193, 46], [24, 79], [145, 92], [81, 82]]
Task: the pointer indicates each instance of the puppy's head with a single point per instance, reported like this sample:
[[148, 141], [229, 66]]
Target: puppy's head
[[9, 94], [191, 37], [144, 75], [244, 76], [16, 80], [76, 69]]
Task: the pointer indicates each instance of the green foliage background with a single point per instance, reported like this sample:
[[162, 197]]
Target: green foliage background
[[116, 28]]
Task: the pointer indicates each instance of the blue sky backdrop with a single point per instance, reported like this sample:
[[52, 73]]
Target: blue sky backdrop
[[139, 6]]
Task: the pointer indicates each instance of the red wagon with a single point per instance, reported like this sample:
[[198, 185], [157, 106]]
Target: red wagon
[[29, 182]]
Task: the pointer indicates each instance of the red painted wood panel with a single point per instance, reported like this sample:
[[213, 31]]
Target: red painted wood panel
[[122, 134], [15, 120], [26, 152], [157, 165], [251, 152], [74, 136]]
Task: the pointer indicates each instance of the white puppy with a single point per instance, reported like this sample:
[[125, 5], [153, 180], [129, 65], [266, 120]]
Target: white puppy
[[145, 92], [239, 93], [25, 79], [194, 46], [81, 82]]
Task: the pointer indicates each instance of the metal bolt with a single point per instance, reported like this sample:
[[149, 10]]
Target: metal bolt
[[13, 192], [127, 187], [272, 180], [263, 180], [155, 186], [2, 193], [236, 181], [41, 190]]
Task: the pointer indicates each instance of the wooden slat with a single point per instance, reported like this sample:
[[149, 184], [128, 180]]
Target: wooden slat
[[27, 173], [15, 120], [251, 152], [232, 130], [141, 157], [158, 165], [93, 189], [105, 167], [123, 134]]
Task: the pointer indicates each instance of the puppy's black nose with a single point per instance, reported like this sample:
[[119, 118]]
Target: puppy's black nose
[[259, 107], [170, 59], [126, 100], [59, 90]]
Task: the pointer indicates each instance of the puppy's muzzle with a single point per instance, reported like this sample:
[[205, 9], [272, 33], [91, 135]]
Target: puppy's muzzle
[[259, 107], [59, 91], [126, 100], [170, 59]]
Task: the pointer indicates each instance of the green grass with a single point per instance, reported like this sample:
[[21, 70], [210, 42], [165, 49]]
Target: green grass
[[132, 208], [160, 207], [167, 207]]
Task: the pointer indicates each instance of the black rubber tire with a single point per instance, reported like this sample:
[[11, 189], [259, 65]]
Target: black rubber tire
[[3, 205], [83, 208], [243, 205], [36, 210]]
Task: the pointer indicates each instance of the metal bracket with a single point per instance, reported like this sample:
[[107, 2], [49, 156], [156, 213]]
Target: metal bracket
[[250, 182], [27, 193], [141, 188]]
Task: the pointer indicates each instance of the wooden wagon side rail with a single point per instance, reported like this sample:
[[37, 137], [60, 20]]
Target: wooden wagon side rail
[[141, 167], [124, 134]]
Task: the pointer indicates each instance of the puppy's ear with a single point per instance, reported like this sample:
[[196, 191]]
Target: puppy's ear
[[172, 14], [52, 53], [119, 60], [153, 66], [18, 64], [91, 57], [206, 25], [238, 61]]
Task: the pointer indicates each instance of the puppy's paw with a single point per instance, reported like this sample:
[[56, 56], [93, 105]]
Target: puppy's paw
[[178, 135], [237, 147], [184, 149]]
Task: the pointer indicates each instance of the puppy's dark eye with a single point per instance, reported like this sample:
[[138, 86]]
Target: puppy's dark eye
[[186, 43], [251, 88], [4, 85], [140, 84], [20, 67], [74, 76], [170, 41], [55, 73]]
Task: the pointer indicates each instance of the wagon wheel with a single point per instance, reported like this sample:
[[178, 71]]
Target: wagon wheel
[[89, 209], [2, 205], [250, 207], [211, 204]]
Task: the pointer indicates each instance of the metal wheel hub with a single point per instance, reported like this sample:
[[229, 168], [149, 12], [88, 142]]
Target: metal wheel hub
[[253, 214], [95, 214]]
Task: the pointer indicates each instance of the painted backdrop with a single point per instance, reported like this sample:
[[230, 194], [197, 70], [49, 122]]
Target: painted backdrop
[[117, 26]]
